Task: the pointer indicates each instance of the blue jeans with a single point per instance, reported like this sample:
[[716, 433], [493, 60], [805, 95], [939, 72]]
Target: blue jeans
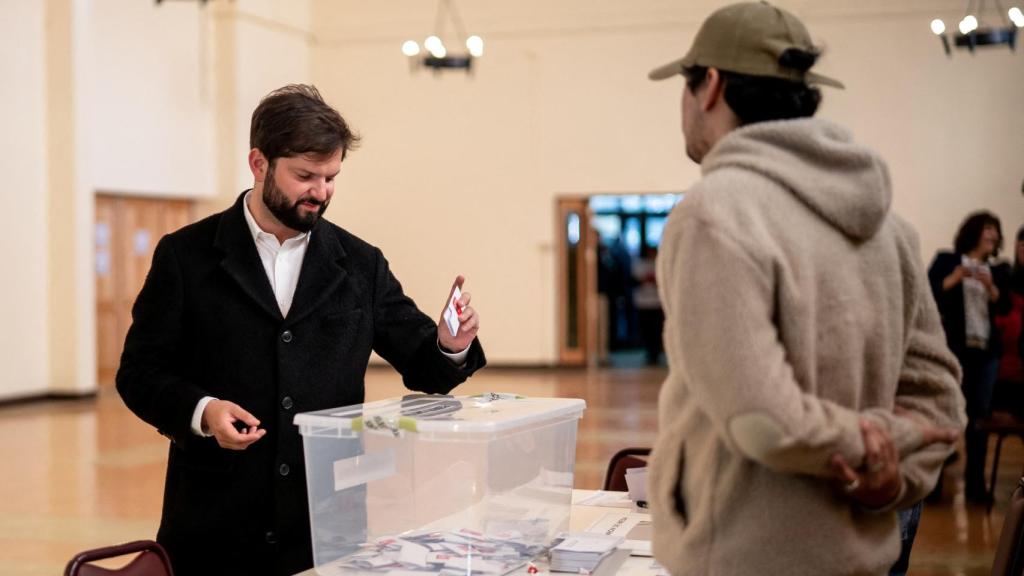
[[909, 519]]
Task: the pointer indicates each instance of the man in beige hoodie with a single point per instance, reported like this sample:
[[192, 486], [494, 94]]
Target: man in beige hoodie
[[810, 391]]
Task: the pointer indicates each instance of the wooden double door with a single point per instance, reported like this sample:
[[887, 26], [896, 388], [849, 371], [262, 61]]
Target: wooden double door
[[127, 230]]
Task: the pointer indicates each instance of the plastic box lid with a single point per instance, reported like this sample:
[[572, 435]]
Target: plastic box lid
[[487, 413]]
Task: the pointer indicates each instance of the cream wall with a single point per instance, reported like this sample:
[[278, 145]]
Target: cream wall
[[459, 174], [23, 342], [153, 98]]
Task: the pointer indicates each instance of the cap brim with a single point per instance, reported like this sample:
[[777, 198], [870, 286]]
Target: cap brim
[[815, 78], [668, 70]]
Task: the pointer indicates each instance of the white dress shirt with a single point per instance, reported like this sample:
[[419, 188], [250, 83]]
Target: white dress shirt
[[282, 262]]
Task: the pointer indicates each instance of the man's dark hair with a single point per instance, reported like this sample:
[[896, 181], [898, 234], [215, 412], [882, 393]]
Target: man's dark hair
[[295, 120], [762, 98], [970, 232]]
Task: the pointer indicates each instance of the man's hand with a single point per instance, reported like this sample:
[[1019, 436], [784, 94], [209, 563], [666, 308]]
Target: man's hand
[[469, 323], [878, 482], [221, 417]]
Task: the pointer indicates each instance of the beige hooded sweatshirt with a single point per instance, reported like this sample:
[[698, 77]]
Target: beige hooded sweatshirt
[[795, 304]]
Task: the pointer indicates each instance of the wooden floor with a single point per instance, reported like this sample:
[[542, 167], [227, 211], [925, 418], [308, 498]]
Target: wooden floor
[[87, 473]]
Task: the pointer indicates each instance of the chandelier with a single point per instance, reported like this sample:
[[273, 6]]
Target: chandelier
[[973, 32], [437, 56]]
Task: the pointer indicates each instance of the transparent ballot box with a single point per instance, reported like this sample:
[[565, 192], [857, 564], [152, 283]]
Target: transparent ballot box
[[473, 485]]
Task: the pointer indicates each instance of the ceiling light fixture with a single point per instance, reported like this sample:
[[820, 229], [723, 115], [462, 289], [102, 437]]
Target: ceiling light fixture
[[435, 55], [974, 32]]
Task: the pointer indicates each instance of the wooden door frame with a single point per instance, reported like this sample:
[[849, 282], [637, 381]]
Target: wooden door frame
[[585, 353]]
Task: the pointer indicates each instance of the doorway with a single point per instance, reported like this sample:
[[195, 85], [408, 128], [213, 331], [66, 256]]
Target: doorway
[[127, 230], [609, 312]]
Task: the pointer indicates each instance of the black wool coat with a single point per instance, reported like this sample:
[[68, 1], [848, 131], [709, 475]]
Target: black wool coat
[[206, 323]]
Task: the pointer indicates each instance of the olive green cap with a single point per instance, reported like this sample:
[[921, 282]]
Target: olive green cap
[[748, 38]]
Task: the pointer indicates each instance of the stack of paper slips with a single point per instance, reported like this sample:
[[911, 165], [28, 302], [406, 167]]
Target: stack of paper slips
[[582, 551], [461, 553]]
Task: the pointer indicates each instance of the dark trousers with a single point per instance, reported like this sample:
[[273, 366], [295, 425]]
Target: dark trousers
[[980, 370], [651, 321]]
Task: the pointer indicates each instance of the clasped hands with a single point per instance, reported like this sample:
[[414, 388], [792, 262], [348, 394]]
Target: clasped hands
[[877, 481]]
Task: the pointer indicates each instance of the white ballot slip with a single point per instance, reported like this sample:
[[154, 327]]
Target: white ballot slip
[[636, 482], [633, 527], [451, 313], [606, 499]]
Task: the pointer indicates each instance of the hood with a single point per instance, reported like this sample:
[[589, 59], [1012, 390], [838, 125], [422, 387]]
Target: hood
[[843, 182]]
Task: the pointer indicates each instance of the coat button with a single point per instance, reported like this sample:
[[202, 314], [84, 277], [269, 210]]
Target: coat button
[[286, 336], [284, 469], [271, 537], [287, 403]]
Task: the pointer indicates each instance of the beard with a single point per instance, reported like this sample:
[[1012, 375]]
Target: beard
[[289, 213]]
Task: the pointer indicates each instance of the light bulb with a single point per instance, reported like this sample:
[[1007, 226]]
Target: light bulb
[[410, 48], [475, 45], [1017, 16], [433, 44], [938, 27], [968, 24]]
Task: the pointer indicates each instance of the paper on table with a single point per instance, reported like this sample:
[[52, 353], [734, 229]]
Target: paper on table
[[607, 499], [582, 551], [587, 543], [633, 527]]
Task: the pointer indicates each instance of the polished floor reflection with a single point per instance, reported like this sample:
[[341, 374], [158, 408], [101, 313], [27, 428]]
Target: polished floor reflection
[[87, 473]]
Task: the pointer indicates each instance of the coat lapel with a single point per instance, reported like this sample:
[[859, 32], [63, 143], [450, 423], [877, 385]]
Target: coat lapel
[[242, 261], [321, 272]]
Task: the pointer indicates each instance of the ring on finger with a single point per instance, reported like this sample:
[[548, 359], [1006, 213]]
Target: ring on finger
[[852, 485]]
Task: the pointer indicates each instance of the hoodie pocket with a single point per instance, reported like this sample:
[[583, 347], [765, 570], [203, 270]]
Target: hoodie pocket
[[678, 493]]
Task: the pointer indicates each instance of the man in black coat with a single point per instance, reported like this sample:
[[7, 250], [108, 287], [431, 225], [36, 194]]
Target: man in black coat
[[254, 314]]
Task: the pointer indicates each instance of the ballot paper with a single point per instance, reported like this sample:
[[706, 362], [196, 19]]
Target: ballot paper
[[633, 527], [636, 481], [465, 553], [582, 551], [606, 499], [452, 311]]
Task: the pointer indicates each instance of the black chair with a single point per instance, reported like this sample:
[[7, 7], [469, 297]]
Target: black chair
[[151, 560], [1002, 424], [615, 478], [1009, 559]]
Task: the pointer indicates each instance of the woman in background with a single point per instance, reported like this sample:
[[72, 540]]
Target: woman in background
[[971, 289]]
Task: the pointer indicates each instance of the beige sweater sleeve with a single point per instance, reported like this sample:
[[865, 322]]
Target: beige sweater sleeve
[[929, 388]]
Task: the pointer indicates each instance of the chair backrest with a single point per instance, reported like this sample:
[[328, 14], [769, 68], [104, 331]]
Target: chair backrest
[[151, 561], [1009, 559], [615, 478]]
